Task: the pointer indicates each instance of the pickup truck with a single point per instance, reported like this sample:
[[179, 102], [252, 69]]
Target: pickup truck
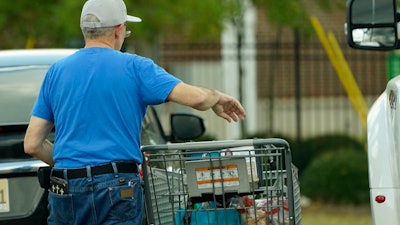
[[373, 25]]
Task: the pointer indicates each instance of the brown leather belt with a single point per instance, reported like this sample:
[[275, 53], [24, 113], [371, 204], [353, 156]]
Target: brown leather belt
[[122, 167]]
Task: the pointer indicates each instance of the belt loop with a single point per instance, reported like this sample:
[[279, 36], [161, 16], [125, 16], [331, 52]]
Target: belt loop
[[89, 173], [65, 174], [115, 169]]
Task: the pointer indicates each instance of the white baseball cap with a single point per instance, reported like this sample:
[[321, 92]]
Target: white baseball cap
[[109, 12]]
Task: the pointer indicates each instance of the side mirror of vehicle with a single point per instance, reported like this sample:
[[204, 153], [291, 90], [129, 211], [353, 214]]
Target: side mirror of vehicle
[[372, 24], [186, 127]]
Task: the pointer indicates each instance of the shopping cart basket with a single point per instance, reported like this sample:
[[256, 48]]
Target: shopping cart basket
[[250, 181]]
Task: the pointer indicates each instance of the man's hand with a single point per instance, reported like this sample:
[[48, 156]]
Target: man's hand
[[202, 99], [229, 108]]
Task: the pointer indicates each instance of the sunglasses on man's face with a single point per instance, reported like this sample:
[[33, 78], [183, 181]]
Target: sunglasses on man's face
[[128, 31]]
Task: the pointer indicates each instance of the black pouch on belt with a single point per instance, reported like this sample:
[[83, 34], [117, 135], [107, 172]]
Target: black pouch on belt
[[44, 176], [58, 185]]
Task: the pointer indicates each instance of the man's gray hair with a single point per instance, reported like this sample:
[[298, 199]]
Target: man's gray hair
[[92, 33]]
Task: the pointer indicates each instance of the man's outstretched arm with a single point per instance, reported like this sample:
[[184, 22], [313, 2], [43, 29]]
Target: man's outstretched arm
[[202, 99]]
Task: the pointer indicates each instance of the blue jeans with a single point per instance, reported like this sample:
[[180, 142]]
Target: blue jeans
[[103, 199]]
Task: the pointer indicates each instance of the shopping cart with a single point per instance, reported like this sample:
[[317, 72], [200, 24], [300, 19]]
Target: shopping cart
[[250, 181]]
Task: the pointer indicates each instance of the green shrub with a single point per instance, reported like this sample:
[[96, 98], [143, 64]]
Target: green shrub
[[308, 149], [337, 176]]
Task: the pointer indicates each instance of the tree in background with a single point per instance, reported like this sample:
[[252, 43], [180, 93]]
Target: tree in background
[[47, 23], [55, 23]]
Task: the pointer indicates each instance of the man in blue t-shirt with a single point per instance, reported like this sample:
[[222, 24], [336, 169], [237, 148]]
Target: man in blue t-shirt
[[96, 99]]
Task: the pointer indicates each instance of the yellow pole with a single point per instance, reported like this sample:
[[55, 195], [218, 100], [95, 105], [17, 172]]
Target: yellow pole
[[343, 71], [30, 42]]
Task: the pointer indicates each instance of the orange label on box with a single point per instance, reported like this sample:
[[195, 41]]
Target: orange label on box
[[208, 177]]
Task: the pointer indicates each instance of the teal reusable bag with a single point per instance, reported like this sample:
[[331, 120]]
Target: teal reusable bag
[[210, 216]]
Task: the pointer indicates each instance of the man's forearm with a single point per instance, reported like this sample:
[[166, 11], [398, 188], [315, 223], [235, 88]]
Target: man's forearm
[[42, 151], [45, 153], [36, 143], [210, 98]]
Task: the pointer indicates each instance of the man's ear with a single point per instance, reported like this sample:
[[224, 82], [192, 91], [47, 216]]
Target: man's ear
[[118, 30]]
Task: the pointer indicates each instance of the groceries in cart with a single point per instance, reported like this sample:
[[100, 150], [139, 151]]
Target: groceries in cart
[[240, 211]]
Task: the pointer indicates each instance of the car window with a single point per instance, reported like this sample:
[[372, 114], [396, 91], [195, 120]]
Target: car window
[[19, 87]]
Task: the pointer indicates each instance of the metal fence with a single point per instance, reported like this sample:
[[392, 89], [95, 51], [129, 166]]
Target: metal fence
[[314, 103]]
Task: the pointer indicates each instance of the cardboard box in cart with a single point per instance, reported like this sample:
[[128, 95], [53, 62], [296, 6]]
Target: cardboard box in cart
[[235, 171]]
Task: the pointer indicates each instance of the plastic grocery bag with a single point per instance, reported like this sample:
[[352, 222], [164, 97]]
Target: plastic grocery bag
[[258, 219]]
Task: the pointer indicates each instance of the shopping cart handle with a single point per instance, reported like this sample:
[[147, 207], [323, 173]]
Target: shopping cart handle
[[214, 144]]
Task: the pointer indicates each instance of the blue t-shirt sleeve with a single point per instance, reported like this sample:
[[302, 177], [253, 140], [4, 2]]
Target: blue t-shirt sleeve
[[42, 108], [155, 83]]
